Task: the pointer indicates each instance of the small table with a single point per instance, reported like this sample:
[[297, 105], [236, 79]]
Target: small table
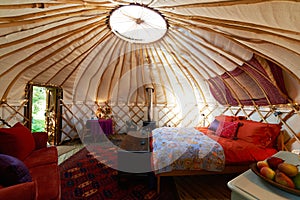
[[134, 141], [249, 186], [134, 157]]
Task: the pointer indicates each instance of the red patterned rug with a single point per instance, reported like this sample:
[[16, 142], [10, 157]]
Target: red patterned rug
[[85, 176]]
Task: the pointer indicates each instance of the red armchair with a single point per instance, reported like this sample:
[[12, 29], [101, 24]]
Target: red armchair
[[41, 162]]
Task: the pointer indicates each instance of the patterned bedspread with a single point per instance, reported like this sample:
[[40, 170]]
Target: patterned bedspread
[[185, 149]]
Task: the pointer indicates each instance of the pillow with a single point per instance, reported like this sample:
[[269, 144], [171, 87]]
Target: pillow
[[16, 141], [228, 118], [214, 125], [13, 171], [228, 129], [259, 133], [274, 133], [40, 139]]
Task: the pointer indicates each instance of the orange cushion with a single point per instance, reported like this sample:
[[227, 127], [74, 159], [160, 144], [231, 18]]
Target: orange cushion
[[258, 133], [242, 152], [202, 129], [16, 141]]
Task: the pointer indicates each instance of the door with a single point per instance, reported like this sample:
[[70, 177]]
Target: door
[[52, 115], [44, 111]]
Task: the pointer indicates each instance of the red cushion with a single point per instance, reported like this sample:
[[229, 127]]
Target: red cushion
[[40, 140], [227, 129], [258, 133], [16, 141]]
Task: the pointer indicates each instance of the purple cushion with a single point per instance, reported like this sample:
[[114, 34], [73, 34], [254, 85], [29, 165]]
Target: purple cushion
[[13, 171], [214, 125]]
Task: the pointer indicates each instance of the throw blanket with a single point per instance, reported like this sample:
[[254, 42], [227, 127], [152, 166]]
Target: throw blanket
[[185, 149]]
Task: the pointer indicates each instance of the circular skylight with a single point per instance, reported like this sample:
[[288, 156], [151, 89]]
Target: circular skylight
[[137, 24]]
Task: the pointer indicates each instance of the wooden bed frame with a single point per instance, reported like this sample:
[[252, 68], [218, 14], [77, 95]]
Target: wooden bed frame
[[229, 169]]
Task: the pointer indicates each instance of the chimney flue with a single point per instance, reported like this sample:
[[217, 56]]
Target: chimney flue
[[150, 90]]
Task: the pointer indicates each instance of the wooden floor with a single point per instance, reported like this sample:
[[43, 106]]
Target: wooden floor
[[200, 187]]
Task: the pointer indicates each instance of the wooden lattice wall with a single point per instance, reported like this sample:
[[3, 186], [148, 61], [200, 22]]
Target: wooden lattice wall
[[74, 116]]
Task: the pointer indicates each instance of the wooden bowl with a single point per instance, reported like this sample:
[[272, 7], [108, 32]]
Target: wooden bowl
[[255, 169]]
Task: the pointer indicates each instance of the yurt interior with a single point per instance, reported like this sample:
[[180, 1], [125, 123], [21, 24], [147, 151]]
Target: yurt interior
[[149, 99]]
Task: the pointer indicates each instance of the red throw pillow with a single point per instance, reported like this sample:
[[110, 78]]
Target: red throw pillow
[[259, 133], [228, 129], [40, 140], [16, 141]]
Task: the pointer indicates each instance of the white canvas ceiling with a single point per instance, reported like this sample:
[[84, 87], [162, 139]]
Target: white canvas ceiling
[[68, 43]]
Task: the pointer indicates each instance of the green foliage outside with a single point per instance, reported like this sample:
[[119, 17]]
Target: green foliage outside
[[38, 125], [38, 109]]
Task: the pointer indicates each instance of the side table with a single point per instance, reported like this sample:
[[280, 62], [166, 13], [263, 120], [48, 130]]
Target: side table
[[249, 186], [134, 157]]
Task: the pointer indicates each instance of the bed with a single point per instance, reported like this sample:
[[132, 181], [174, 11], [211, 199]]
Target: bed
[[229, 145]]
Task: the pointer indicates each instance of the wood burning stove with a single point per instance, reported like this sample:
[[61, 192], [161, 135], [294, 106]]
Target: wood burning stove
[[149, 125]]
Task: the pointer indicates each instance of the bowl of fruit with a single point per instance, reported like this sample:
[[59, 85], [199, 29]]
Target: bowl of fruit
[[277, 172]]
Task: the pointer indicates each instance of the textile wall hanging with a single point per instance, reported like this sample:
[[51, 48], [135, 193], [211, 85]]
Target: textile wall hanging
[[256, 82]]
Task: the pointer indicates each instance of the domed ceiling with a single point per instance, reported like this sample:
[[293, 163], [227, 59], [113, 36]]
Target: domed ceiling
[[238, 52]]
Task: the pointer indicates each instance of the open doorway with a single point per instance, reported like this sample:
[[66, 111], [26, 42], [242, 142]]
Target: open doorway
[[44, 111], [38, 122]]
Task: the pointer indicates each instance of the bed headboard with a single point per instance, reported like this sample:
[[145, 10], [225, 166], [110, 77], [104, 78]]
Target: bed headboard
[[293, 144], [286, 142]]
